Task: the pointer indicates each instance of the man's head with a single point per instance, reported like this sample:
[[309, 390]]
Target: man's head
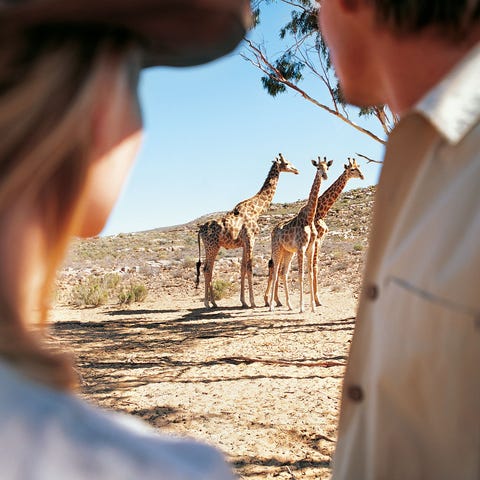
[[383, 48]]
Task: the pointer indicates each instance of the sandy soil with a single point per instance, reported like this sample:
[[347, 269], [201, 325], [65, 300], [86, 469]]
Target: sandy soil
[[264, 387]]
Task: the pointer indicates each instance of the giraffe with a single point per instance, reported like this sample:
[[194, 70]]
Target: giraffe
[[325, 203], [297, 235], [237, 229]]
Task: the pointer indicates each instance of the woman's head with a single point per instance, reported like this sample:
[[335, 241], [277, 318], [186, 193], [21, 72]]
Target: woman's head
[[57, 90], [70, 127], [69, 130]]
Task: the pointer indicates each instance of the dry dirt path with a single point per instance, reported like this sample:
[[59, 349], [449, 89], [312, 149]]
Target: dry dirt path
[[264, 387]]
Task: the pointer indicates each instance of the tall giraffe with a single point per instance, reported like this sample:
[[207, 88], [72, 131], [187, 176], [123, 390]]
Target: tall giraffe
[[298, 235], [325, 203], [237, 229]]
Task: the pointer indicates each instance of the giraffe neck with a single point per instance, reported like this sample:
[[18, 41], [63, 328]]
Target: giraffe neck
[[264, 197], [330, 195], [311, 206]]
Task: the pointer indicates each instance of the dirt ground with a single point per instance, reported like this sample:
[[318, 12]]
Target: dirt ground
[[264, 387]]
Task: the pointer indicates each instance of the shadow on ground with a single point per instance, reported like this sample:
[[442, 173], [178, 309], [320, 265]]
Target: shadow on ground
[[120, 351]]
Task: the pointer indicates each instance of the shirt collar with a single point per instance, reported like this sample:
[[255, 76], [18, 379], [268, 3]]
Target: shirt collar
[[453, 105]]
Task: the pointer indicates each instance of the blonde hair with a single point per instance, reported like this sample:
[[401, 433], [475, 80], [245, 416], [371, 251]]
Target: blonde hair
[[49, 81]]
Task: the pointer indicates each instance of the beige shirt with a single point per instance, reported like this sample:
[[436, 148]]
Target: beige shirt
[[411, 395]]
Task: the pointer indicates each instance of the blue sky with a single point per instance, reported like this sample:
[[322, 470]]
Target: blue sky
[[211, 133]]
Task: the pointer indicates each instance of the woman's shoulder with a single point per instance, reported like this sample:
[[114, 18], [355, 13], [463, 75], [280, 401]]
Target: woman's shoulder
[[65, 437]]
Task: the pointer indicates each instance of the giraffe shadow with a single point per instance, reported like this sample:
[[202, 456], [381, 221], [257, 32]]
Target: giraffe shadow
[[115, 313], [215, 311]]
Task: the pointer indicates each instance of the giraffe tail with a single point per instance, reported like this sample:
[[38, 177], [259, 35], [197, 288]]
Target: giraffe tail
[[199, 263]]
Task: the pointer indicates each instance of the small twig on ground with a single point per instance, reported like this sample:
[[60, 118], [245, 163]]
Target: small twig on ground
[[292, 476]]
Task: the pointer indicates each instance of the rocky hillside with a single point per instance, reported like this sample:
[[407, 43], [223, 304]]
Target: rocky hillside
[[164, 259]]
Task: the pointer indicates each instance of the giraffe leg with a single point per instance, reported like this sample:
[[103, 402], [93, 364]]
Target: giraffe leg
[[287, 261], [301, 255], [281, 275], [210, 255], [276, 259], [315, 274], [281, 261], [243, 274], [269, 284], [322, 231], [250, 283], [249, 265], [309, 256], [278, 303]]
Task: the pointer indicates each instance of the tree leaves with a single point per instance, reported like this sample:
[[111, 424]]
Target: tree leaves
[[288, 68], [305, 53]]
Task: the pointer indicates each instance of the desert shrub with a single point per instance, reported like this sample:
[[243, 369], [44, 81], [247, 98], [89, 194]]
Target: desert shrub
[[189, 262], [135, 292], [94, 290], [190, 240], [358, 247], [112, 280], [221, 289], [338, 255]]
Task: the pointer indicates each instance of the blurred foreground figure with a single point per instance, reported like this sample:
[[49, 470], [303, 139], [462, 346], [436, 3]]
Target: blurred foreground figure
[[411, 393], [70, 127]]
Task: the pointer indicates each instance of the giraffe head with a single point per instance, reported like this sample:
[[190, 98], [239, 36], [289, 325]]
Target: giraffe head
[[322, 166], [352, 169], [284, 165]]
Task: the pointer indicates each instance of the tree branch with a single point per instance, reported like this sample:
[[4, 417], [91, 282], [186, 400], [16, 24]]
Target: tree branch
[[368, 159], [305, 51], [269, 69]]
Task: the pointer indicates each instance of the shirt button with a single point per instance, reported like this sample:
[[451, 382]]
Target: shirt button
[[371, 292], [355, 393]]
